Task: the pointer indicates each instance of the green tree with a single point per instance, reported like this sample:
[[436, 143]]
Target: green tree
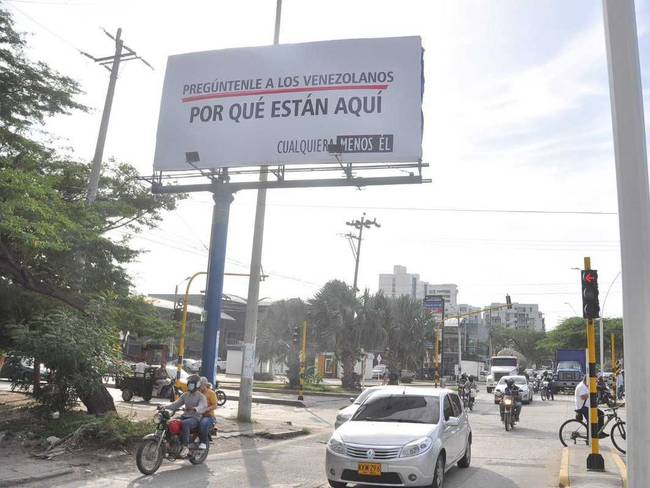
[[57, 253], [571, 333]]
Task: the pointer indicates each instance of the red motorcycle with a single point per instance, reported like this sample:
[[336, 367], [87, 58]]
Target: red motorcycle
[[166, 443]]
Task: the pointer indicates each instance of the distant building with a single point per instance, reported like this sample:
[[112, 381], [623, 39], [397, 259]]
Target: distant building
[[522, 315], [401, 283]]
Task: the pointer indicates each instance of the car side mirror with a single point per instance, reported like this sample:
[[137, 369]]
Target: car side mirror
[[453, 421], [351, 399]]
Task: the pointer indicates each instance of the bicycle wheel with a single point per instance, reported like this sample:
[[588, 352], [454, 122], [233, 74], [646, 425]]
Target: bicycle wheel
[[619, 436], [573, 432], [542, 395]]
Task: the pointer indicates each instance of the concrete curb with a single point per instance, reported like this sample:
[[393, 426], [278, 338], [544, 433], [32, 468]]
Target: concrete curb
[[235, 386], [270, 401], [32, 479], [564, 481]]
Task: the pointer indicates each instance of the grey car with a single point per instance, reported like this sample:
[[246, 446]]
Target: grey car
[[409, 437]]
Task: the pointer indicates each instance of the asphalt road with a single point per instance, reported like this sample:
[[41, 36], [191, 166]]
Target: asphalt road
[[528, 456]]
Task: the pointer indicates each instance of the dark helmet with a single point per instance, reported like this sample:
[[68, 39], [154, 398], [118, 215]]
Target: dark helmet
[[193, 382], [510, 382]]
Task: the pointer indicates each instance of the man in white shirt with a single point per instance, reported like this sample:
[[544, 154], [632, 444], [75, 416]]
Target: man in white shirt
[[582, 404], [582, 398]]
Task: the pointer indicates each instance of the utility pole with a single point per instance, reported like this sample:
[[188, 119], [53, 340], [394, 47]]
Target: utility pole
[[250, 325], [631, 159], [114, 62], [359, 225]]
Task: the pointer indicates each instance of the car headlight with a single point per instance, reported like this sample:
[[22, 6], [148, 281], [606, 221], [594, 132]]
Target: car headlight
[[415, 448], [336, 446], [157, 418]]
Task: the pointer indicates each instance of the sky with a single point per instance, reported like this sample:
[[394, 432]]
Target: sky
[[516, 117]]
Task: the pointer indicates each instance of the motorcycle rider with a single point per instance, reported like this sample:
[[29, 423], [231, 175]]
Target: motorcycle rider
[[463, 385], [208, 420], [195, 405], [548, 377], [473, 389], [513, 390]]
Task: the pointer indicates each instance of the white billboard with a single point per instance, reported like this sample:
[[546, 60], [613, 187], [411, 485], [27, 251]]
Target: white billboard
[[289, 103]]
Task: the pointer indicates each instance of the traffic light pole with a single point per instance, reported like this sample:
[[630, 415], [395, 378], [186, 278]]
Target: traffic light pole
[[595, 461], [303, 359]]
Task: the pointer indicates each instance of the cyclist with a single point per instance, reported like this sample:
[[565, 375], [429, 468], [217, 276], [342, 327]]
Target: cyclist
[[582, 404], [548, 377]]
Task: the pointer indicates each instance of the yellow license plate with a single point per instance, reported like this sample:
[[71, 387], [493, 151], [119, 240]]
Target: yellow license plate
[[369, 469]]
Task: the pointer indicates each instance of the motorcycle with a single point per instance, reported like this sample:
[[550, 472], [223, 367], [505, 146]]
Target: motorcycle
[[536, 385], [507, 408], [166, 443], [221, 395]]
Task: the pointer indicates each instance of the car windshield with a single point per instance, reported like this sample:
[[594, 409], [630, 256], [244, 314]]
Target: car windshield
[[415, 409], [519, 380], [568, 365], [362, 397], [504, 361]]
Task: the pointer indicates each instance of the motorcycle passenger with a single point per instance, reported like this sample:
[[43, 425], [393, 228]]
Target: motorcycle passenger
[[512, 390], [195, 405], [208, 420]]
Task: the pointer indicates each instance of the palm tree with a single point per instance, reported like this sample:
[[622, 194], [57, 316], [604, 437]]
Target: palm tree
[[275, 334], [333, 313]]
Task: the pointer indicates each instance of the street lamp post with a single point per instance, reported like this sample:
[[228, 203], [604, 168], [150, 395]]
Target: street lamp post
[[601, 327]]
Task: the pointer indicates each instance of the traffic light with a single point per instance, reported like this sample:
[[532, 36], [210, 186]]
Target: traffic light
[[296, 336], [508, 302], [590, 305]]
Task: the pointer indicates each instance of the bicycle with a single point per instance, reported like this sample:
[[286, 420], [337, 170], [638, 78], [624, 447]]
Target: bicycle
[[575, 430]]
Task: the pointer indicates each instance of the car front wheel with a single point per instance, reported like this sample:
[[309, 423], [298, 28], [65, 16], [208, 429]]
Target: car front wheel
[[466, 460], [439, 472]]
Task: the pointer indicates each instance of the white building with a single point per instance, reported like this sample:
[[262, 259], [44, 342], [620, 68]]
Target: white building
[[400, 283], [522, 315]]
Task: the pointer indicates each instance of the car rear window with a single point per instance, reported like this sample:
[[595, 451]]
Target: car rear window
[[417, 409]]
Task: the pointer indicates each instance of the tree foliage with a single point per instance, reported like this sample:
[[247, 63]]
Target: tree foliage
[[572, 334], [59, 256]]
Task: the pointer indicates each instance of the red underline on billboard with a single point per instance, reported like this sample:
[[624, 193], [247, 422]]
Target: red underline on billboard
[[275, 91]]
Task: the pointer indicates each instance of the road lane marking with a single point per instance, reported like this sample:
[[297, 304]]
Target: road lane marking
[[622, 468], [565, 482]]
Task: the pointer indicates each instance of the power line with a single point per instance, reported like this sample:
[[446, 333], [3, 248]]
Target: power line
[[47, 29], [442, 209]]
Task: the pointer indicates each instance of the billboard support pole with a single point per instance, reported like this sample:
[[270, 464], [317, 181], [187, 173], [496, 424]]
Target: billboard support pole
[[626, 95], [252, 306], [216, 267]]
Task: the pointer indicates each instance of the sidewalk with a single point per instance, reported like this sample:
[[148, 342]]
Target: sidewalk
[[574, 474]]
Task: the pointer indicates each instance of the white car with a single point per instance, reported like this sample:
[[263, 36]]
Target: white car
[[521, 382], [346, 413], [378, 371], [408, 437]]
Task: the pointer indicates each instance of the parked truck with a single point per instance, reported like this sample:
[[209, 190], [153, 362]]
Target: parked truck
[[570, 367]]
